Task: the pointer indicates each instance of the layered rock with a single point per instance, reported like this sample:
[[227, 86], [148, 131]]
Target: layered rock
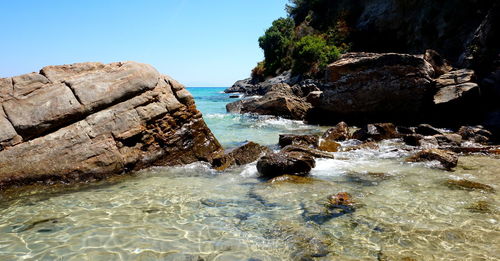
[[370, 87], [88, 120]]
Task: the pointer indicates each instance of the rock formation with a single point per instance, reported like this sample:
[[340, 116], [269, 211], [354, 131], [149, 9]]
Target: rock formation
[[88, 120]]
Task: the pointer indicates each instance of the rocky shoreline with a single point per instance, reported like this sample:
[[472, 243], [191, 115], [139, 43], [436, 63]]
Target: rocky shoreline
[[363, 88]]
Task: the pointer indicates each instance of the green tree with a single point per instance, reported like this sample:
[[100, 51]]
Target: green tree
[[312, 54], [276, 43]]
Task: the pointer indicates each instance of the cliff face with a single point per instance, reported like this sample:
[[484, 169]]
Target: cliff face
[[89, 120]]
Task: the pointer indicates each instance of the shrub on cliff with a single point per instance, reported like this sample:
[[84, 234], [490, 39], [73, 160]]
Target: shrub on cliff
[[311, 54], [259, 72], [276, 43]]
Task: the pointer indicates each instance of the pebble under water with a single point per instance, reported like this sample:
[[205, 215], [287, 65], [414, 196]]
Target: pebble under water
[[404, 211]]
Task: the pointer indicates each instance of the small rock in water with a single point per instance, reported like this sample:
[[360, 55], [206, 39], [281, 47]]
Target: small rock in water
[[427, 130], [328, 145], [468, 185], [480, 207], [448, 159], [475, 133], [291, 179], [338, 133], [301, 140], [292, 163], [341, 199]]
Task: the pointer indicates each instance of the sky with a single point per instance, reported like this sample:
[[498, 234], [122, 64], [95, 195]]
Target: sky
[[197, 42]]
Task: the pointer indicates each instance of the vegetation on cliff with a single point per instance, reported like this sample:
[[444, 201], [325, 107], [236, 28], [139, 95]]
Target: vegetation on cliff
[[299, 42]]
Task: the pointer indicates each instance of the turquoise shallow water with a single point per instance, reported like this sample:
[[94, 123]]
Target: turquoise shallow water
[[232, 129], [404, 210]]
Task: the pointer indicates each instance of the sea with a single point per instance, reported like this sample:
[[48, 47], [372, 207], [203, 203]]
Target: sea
[[402, 211]]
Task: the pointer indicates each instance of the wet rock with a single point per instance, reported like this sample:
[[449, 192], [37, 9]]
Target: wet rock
[[468, 185], [277, 103], [248, 153], [469, 150], [367, 145], [293, 163], [338, 133], [480, 207], [329, 145], [245, 154], [413, 139], [475, 133], [429, 142], [291, 179], [427, 130], [234, 96], [340, 199], [449, 139], [307, 150], [376, 132], [87, 121], [448, 159], [302, 140]]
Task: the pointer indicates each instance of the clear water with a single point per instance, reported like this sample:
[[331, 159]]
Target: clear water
[[404, 211]]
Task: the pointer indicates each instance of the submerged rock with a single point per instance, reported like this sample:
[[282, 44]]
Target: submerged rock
[[480, 207], [291, 179], [292, 163], [448, 159], [89, 120], [468, 185], [340, 199]]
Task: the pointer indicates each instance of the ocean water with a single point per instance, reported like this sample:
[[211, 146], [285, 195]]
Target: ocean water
[[404, 211], [233, 129]]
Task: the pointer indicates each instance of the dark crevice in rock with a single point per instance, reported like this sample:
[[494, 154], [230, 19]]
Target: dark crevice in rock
[[73, 91]]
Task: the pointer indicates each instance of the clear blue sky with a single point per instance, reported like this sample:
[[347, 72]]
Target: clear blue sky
[[198, 42]]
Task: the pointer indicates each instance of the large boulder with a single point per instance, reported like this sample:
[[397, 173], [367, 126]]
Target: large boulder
[[372, 86], [88, 120]]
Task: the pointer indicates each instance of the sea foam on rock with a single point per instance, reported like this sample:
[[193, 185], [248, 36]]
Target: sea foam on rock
[[89, 120]]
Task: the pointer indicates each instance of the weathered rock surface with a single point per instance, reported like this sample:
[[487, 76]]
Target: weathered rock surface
[[372, 86], [475, 133], [244, 154], [307, 150], [376, 132], [293, 163], [89, 120], [455, 85], [278, 100], [338, 133], [448, 159], [295, 139]]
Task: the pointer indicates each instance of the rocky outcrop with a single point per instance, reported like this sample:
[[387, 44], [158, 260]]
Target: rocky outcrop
[[278, 100], [89, 120], [370, 86], [448, 159], [338, 133]]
